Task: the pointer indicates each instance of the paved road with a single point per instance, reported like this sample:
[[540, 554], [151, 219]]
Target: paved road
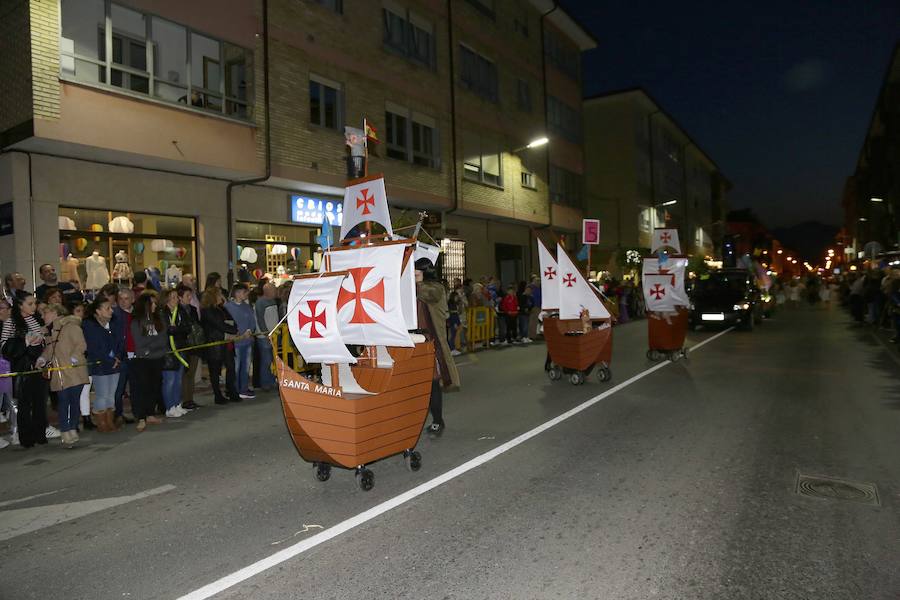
[[680, 485]]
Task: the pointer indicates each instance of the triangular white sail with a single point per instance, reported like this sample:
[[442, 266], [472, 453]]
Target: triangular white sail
[[662, 238], [408, 295], [658, 289], [313, 321], [549, 278], [347, 381], [676, 267], [428, 251], [369, 302], [575, 292], [365, 200]]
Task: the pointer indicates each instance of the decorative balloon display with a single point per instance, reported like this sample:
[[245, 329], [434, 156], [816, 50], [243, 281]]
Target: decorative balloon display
[[139, 247], [81, 244]]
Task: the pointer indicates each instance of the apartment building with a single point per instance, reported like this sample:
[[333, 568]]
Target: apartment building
[[645, 171], [157, 111]]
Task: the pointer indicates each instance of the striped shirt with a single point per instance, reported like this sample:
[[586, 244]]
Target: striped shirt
[[9, 328]]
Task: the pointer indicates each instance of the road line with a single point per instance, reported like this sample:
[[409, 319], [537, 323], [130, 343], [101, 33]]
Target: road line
[[27, 498], [229, 581]]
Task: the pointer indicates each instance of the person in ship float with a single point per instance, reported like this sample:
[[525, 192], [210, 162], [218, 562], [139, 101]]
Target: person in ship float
[[432, 311]]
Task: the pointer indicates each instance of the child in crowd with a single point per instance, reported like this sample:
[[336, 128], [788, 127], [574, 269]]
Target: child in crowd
[[245, 320], [509, 306]]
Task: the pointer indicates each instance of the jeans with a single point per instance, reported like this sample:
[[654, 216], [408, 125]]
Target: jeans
[[453, 326], [523, 325], [187, 380], [146, 386], [510, 327], [242, 367], [69, 407], [105, 387], [266, 377], [120, 387], [85, 399], [171, 388]]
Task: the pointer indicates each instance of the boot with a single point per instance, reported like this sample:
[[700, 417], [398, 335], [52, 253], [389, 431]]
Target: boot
[[86, 423], [99, 419], [110, 415]]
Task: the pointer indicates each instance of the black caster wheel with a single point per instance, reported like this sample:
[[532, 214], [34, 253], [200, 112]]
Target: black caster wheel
[[684, 353], [413, 460], [652, 355], [576, 378], [323, 471], [604, 374], [554, 373], [675, 356], [365, 479]]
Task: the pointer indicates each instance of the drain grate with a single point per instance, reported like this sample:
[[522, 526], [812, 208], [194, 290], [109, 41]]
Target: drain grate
[[817, 486]]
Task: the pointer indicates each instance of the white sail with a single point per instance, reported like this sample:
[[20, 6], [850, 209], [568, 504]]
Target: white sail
[[549, 278], [346, 380], [369, 303], [365, 200], [428, 251], [658, 289], [384, 360], [313, 320], [408, 295], [575, 292], [663, 238], [675, 266]]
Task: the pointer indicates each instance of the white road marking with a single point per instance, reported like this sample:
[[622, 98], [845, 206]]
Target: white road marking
[[229, 581], [27, 498], [304, 530], [20, 521]]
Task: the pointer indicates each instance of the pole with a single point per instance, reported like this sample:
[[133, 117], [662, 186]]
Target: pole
[[587, 275]]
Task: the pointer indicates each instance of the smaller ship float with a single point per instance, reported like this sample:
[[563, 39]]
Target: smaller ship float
[[662, 281]]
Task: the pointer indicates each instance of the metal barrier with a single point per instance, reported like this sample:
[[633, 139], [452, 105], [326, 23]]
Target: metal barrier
[[480, 326], [284, 349]]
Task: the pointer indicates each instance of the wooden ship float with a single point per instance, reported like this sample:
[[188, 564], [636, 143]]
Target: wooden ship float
[[662, 282], [578, 330], [372, 403]]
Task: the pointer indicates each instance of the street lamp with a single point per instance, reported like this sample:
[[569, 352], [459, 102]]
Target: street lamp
[[863, 219], [536, 143], [876, 199], [669, 203]]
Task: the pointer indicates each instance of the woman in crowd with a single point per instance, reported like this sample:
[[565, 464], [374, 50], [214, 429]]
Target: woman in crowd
[[6, 406], [217, 324], [22, 343], [105, 352], [174, 363], [193, 337], [150, 345], [214, 279], [65, 351]]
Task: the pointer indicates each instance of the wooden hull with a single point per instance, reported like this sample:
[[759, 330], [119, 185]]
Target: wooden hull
[[350, 430], [664, 336], [578, 352]]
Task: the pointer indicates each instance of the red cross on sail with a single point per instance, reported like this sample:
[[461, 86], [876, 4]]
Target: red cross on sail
[[665, 238], [569, 280], [365, 200], [550, 273], [657, 292], [374, 294], [312, 315], [549, 285], [673, 267], [575, 292]]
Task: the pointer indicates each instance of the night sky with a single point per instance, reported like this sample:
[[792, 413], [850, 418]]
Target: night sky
[[779, 94]]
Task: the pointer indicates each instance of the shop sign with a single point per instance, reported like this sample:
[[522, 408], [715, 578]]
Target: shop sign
[[304, 209], [6, 218]]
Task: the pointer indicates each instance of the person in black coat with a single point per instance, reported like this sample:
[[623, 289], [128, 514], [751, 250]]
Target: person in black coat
[[217, 324], [192, 318]]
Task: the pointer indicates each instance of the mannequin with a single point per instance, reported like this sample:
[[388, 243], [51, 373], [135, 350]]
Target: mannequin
[[97, 273], [173, 276], [122, 270], [68, 270]]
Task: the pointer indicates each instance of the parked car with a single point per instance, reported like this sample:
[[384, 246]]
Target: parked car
[[726, 297]]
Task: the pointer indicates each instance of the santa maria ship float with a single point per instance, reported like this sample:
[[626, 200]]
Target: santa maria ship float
[[369, 403]]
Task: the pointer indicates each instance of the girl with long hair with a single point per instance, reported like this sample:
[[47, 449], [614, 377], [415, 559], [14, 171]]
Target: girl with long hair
[[217, 324], [150, 346], [65, 352], [105, 352]]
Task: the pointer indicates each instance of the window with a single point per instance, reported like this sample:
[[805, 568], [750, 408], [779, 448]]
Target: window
[[478, 74], [409, 35], [325, 103], [485, 7], [564, 55], [564, 119], [565, 187], [528, 180], [411, 137], [645, 217], [453, 260], [523, 95], [481, 160], [335, 5], [154, 57], [520, 21]]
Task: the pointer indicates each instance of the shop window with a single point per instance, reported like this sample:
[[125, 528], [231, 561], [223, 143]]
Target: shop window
[[275, 250], [152, 56], [140, 241], [325, 103], [408, 34], [478, 74], [453, 260], [481, 160]]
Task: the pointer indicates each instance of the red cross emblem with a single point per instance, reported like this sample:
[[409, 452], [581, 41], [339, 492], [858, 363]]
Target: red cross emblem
[[374, 294], [658, 291], [569, 280], [365, 201], [549, 273], [665, 236], [312, 319]]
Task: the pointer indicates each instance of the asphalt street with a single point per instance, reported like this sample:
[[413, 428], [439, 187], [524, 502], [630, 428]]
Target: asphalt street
[[681, 484]]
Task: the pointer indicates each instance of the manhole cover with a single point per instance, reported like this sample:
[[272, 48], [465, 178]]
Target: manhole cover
[[818, 486], [35, 462]]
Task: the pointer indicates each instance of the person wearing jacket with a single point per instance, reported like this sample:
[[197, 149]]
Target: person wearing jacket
[[150, 346], [509, 306], [22, 342], [266, 309], [217, 324], [432, 293], [191, 316], [245, 320], [105, 351], [174, 363], [122, 311], [65, 350]]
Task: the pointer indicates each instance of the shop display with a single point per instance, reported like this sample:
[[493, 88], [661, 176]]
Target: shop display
[[121, 270], [68, 270], [173, 275], [121, 225], [66, 224], [97, 273], [249, 255]]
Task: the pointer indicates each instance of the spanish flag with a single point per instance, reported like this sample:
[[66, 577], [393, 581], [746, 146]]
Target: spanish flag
[[371, 138]]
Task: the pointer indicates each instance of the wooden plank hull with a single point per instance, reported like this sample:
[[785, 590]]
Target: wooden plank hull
[[665, 336], [349, 429], [578, 352]]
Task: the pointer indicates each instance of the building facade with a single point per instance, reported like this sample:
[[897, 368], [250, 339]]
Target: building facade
[[645, 171], [871, 196], [156, 111]]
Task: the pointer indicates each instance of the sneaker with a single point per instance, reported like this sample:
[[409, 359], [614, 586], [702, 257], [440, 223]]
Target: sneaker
[[435, 429], [14, 439], [174, 412], [3, 418], [3, 443], [527, 340], [74, 435], [190, 405], [52, 432], [455, 353], [141, 425]]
